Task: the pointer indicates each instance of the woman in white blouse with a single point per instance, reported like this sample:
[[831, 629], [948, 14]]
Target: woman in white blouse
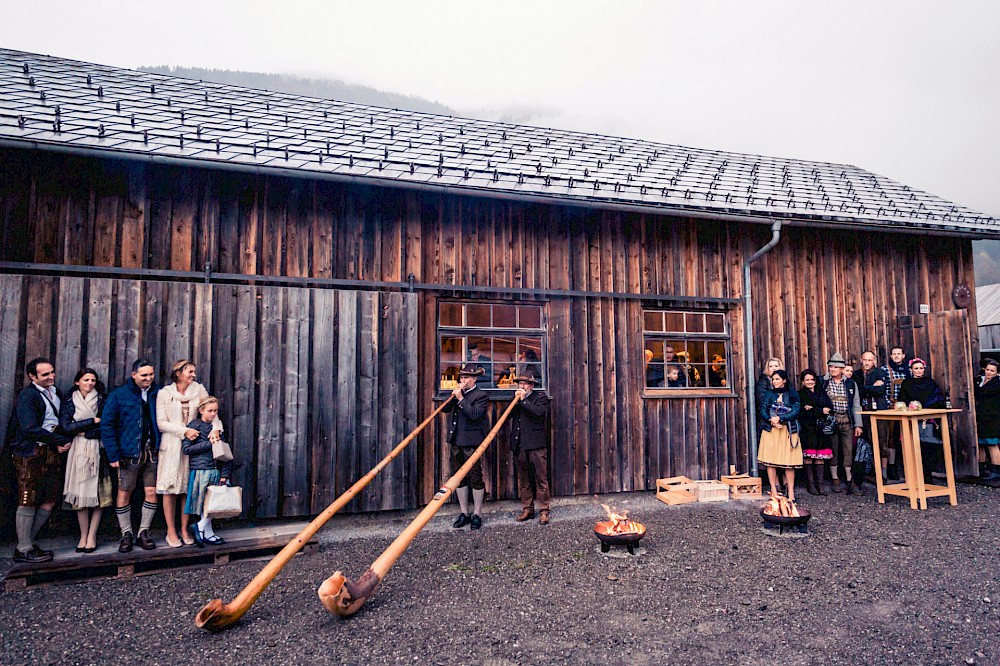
[[176, 406]]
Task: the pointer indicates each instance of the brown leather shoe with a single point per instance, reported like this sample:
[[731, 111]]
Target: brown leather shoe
[[543, 518], [145, 541], [526, 514], [836, 486]]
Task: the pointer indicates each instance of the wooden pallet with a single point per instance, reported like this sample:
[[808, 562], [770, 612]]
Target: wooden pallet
[[69, 566], [676, 490], [742, 486]]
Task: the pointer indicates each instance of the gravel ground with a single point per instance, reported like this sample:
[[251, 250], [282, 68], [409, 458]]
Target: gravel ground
[[871, 584]]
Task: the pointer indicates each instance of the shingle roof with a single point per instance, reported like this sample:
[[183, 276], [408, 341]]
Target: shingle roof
[[57, 103], [988, 304]]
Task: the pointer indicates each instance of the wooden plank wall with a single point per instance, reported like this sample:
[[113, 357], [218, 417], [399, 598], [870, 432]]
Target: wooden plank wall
[[283, 362], [816, 292]]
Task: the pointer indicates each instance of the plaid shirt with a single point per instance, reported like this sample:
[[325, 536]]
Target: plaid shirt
[[837, 390], [893, 393]]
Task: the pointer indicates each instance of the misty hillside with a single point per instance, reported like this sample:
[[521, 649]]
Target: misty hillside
[[986, 259], [323, 88]]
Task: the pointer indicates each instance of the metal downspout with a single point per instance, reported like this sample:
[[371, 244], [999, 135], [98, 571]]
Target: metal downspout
[[748, 346]]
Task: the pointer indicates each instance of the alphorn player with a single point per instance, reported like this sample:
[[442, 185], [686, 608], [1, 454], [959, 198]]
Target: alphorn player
[[468, 427], [528, 442]]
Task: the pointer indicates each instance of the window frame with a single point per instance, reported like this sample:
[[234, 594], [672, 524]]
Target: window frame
[[492, 332], [726, 337]]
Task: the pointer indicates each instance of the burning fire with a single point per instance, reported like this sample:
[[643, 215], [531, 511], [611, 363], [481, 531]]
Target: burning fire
[[781, 506], [620, 524]]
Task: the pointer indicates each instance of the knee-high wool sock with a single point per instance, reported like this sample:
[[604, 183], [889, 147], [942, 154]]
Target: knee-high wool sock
[[41, 516], [124, 514], [23, 520], [477, 501], [148, 511], [462, 494]]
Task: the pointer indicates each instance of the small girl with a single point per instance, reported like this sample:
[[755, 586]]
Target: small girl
[[204, 471]]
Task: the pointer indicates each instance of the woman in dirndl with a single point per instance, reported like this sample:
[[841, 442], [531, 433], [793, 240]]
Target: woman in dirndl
[[816, 447], [987, 391], [176, 405], [87, 488], [780, 447]]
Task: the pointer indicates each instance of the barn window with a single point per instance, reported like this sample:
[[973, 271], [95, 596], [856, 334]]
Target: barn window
[[686, 350], [505, 339]]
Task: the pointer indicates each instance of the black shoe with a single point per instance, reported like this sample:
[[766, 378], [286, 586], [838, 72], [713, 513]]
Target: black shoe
[[477, 522], [81, 549], [145, 541], [461, 521], [126, 545], [199, 536], [30, 557], [41, 553]]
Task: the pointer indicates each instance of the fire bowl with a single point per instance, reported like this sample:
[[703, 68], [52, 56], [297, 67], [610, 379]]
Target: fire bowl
[[603, 530], [787, 521]]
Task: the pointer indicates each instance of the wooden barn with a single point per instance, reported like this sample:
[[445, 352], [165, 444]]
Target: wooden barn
[[329, 266]]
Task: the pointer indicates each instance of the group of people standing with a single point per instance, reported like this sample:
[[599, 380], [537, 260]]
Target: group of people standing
[[71, 448], [819, 424]]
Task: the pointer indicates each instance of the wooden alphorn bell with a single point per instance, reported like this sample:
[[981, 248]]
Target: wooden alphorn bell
[[216, 616], [345, 597]]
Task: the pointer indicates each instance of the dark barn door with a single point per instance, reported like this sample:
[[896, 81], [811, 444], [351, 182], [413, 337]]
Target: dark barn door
[[942, 340]]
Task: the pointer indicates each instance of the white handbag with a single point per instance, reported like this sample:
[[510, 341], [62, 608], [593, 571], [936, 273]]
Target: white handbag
[[221, 451], [223, 501]]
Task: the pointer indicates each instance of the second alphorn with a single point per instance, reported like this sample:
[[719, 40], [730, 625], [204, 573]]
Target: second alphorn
[[345, 597], [216, 616]]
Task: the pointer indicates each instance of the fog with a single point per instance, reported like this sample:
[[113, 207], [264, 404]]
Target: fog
[[904, 89]]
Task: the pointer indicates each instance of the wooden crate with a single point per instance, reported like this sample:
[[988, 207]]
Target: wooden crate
[[742, 486], [711, 491], [676, 490]]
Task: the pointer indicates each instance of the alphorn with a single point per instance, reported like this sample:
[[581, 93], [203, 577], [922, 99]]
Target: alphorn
[[216, 616], [345, 597]]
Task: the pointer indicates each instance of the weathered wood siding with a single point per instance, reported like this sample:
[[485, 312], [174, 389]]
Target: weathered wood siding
[[816, 292], [821, 291], [314, 385]]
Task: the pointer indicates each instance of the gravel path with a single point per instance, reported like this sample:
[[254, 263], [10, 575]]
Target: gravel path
[[871, 584]]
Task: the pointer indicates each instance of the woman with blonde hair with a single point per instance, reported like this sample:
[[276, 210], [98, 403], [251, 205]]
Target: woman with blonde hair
[[176, 406], [764, 381]]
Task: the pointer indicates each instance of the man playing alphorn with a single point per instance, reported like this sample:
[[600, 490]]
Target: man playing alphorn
[[528, 442], [467, 428]]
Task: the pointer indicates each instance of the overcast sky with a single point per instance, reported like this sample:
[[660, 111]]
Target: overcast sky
[[909, 90]]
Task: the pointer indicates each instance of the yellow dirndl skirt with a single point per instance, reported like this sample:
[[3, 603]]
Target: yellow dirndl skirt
[[779, 448]]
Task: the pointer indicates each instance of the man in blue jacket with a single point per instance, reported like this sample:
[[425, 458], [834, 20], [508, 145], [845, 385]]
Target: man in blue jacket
[[132, 442], [36, 446]]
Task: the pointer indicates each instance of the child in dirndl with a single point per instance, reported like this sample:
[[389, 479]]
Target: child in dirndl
[[204, 471]]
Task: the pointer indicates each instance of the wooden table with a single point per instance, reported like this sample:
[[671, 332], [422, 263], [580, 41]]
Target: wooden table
[[913, 485]]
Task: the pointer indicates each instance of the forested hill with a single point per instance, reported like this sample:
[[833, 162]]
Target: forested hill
[[324, 88]]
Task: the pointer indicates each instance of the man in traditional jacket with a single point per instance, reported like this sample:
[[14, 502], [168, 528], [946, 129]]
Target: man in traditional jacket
[[468, 426], [132, 441], [528, 441], [897, 368], [36, 445], [843, 393], [874, 387]]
